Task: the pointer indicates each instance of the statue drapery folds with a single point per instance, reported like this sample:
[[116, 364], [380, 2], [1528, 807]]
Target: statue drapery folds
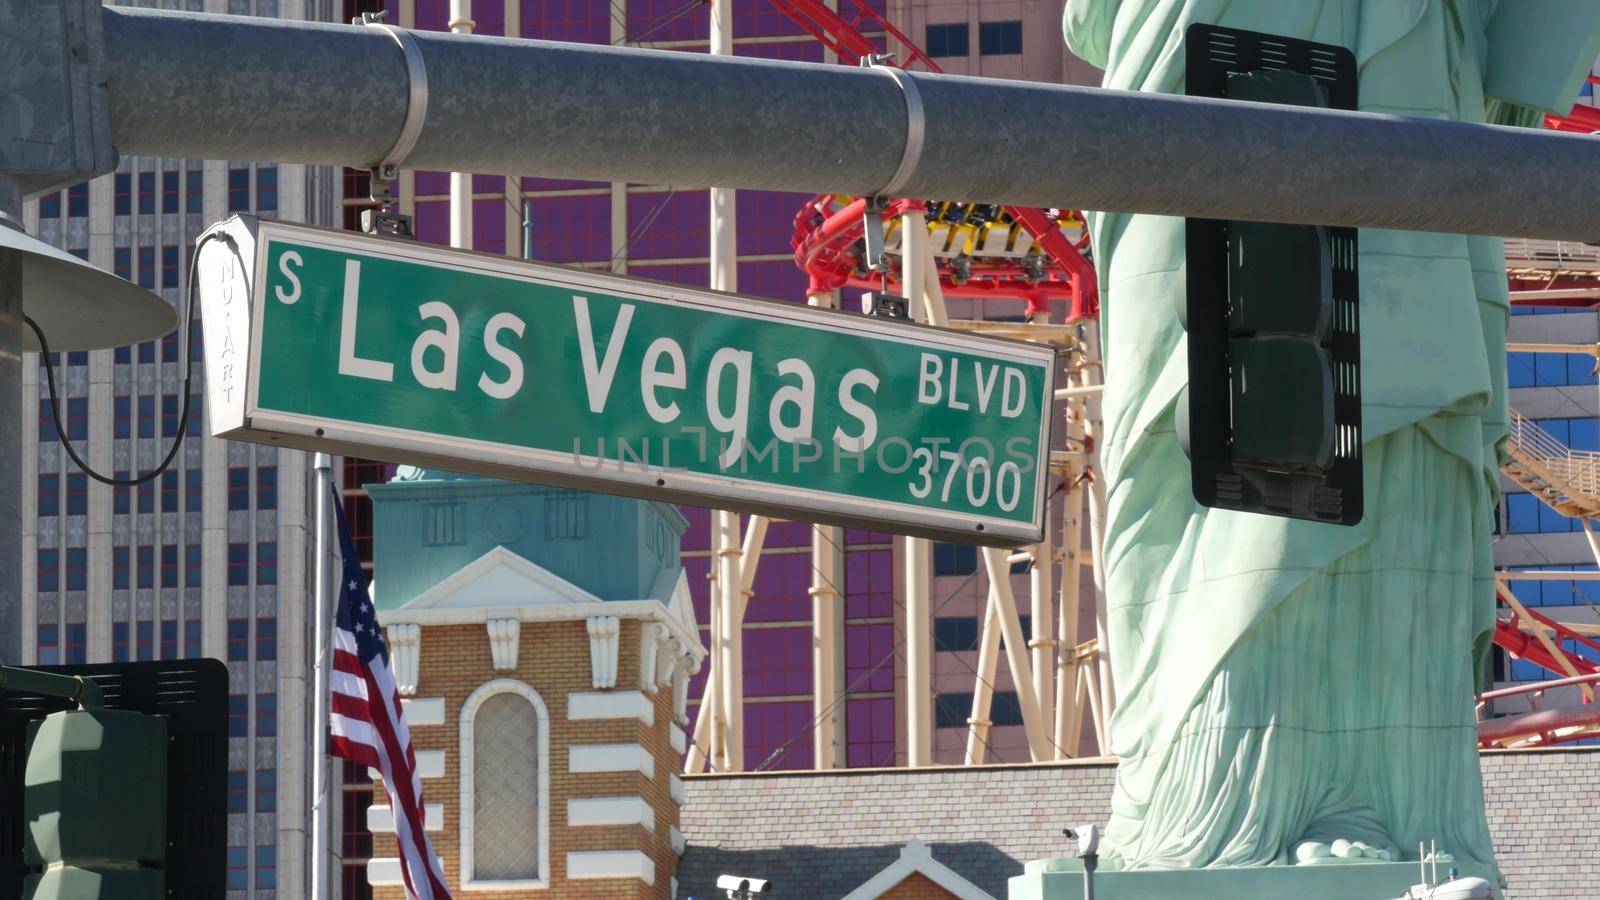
[[1285, 685]]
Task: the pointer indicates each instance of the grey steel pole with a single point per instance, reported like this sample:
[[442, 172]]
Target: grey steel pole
[[11, 442], [188, 84], [321, 629]]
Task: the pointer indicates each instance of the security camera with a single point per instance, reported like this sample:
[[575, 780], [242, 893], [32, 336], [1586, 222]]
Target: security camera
[[739, 886], [1088, 838]]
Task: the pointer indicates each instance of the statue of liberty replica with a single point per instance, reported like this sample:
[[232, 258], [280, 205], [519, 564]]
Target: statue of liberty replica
[[1290, 692]]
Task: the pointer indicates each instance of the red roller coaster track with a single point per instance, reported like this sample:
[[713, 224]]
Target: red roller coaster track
[[829, 230]]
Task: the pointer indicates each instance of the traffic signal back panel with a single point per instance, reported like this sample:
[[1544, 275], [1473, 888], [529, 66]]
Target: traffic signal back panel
[[1271, 418]]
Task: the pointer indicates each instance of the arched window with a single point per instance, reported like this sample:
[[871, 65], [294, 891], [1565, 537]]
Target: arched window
[[505, 788]]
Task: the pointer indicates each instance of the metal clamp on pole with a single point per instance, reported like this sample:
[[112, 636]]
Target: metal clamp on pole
[[916, 121], [385, 219]]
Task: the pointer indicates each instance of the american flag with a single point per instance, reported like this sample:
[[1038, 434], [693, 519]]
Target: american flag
[[368, 724]]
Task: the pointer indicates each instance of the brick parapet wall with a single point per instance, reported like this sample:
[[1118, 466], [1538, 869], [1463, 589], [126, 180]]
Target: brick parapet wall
[[833, 831]]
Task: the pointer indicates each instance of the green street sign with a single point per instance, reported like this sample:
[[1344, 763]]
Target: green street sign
[[398, 350]]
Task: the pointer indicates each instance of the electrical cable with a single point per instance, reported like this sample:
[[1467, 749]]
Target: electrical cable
[[188, 378]]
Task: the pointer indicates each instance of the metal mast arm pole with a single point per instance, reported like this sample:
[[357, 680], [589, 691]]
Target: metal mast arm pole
[[299, 92], [321, 630]]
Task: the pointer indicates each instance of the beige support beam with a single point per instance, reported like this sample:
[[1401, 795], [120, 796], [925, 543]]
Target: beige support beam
[[1005, 605], [978, 723], [827, 645], [730, 640], [1067, 708], [1537, 628], [1580, 349], [1093, 427], [827, 625], [1042, 641], [914, 258]]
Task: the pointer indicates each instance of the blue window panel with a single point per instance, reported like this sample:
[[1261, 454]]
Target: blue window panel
[[121, 412], [238, 715], [191, 566], [1526, 592], [1584, 434], [169, 191], [267, 487], [119, 569], [77, 569], [147, 267], [193, 480], [1000, 38], [267, 638], [147, 415], [238, 639], [238, 564], [147, 193], [1549, 369], [122, 356], [955, 633], [78, 200], [947, 40], [266, 715], [123, 193], [1552, 522], [238, 793], [119, 641], [1522, 513], [77, 494], [48, 565], [266, 791], [267, 189], [1587, 592], [49, 645], [169, 491], [238, 190], [1580, 369], [77, 643], [47, 421], [169, 571], [1006, 709], [122, 263], [78, 418], [50, 205], [266, 867], [49, 494], [195, 201], [145, 638], [238, 869], [146, 567], [954, 559], [267, 563], [1556, 427]]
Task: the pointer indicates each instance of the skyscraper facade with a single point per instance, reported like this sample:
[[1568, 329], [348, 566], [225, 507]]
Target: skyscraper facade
[[210, 558]]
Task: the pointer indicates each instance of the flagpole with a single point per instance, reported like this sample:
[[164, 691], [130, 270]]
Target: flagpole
[[322, 625]]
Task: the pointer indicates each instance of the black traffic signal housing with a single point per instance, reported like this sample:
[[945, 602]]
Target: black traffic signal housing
[[189, 698], [1271, 418]]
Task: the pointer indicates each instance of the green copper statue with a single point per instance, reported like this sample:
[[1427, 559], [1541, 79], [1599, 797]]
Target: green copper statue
[[1289, 691]]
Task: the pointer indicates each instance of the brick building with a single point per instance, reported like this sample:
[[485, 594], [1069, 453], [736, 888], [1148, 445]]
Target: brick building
[[544, 639]]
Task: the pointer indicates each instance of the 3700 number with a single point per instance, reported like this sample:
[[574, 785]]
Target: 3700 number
[[982, 478]]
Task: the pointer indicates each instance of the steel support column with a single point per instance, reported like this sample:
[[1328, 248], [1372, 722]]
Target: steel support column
[[11, 442]]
